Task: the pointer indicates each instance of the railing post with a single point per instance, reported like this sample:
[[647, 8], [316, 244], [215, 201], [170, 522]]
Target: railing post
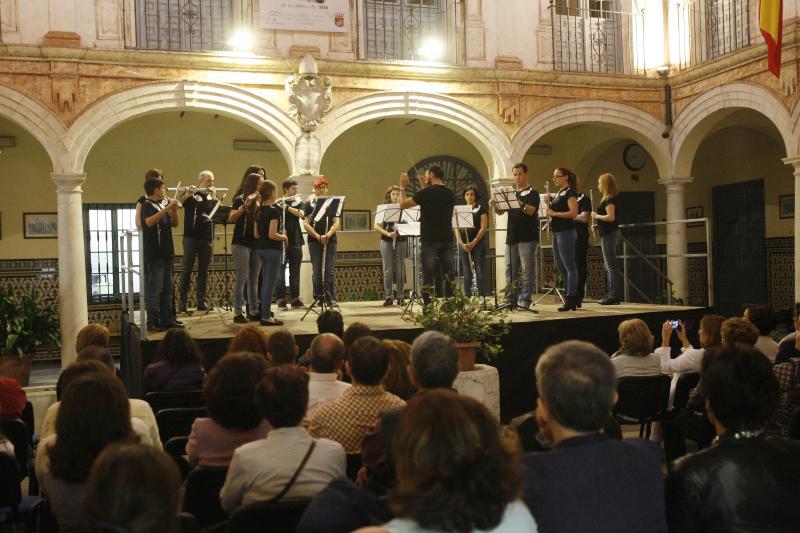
[[123, 270], [142, 288], [709, 271], [625, 269], [129, 275]]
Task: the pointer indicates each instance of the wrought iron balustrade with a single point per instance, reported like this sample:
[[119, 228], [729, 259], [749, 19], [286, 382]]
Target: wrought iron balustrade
[[396, 29], [707, 29]]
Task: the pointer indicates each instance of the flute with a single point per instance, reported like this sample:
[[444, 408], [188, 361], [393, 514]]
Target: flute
[[591, 220], [547, 190]]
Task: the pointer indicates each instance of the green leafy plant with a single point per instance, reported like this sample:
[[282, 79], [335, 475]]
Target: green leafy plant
[[464, 320], [26, 324]]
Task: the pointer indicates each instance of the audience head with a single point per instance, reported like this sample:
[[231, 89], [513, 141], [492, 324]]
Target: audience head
[[92, 335], [82, 367], [761, 317], [397, 379], [738, 331], [434, 360], [577, 385], [178, 348], [454, 471], [282, 396], [94, 412], [230, 389], [367, 361], [250, 339], [711, 330], [326, 353], [635, 338], [97, 353], [282, 347], [740, 388], [135, 488], [354, 331], [331, 321]]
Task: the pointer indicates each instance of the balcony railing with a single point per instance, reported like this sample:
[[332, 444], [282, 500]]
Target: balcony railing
[[707, 29], [592, 36], [398, 29]]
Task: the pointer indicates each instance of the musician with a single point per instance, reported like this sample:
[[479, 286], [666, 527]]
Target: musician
[[472, 244], [522, 239], [562, 209], [198, 234], [291, 212], [321, 237], [245, 262], [607, 227], [269, 247], [152, 173], [436, 203], [582, 241], [393, 252], [159, 216]]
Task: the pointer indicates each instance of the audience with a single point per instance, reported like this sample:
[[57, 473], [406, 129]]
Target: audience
[[761, 317], [132, 488], [92, 335], [347, 419], [330, 321], [787, 375], [234, 415], [747, 481], [282, 348], [252, 339], [454, 472], [354, 331], [397, 379], [635, 356], [787, 348], [690, 359], [588, 481], [94, 413], [12, 399], [326, 355], [263, 470], [178, 365]]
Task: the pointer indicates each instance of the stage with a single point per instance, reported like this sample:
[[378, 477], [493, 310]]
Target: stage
[[530, 334]]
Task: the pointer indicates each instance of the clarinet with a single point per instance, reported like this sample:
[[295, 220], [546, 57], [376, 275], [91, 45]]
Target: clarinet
[[592, 224], [549, 220]]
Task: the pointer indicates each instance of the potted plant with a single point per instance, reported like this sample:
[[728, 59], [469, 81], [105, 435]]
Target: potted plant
[[26, 326], [465, 321]]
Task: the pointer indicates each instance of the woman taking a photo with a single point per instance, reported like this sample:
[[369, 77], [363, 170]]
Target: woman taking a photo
[[606, 219], [393, 252], [562, 209], [472, 246]]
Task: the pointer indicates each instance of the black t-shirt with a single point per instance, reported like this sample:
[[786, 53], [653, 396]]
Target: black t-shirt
[[292, 224], [521, 226], [157, 239], [320, 227], [436, 213], [603, 227], [195, 225], [560, 204], [264, 216], [389, 227], [243, 228], [477, 211], [584, 204]]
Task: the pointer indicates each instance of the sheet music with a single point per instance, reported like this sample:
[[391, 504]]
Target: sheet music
[[462, 217], [387, 213], [411, 214], [505, 197], [408, 229]]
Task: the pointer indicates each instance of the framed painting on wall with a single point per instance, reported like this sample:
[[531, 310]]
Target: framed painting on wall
[[786, 206], [694, 212], [355, 220], [40, 225]]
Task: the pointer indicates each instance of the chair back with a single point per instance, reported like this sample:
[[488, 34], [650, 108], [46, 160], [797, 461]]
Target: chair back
[[354, 463], [794, 425], [685, 384], [171, 399], [177, 422], [10, 489], [17, 433], [188, 523], [202, 495], [278, 517], [176, 448], [642, 398]]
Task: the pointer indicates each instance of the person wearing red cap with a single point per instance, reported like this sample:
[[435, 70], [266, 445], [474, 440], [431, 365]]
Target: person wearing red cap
[[12, 399], [321, 237]]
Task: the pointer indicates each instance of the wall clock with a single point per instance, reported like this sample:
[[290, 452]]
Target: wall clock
[[634, 157]]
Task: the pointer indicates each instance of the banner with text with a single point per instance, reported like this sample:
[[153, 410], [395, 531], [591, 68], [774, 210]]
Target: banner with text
[[306, 15]]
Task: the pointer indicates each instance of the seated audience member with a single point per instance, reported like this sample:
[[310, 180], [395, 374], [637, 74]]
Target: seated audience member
[[92, 343], [760, 317], [234, 415], [92, 335], [738, 332], [690, 359], [6, 446], [178, 365], [133, 488], [354, 331], [635, 356], [454, 471], [326, 355], [348, 418], [788, 377], [397, 379], [787, 348], [282, 348], [252, 339], [588, 481], [12, 399], [331, 321], [94, 413], [262, 470], [97, 359], [747, 481]]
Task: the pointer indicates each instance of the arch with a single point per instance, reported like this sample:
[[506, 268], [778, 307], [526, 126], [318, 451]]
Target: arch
[[490, 141], [795, 120], [642, 127], [691, 126], [226, 100], [38, 120]]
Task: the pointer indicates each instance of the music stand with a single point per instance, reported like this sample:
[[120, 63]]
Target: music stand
[[327, 208], [219, 216], [554, 289], [505, 197]]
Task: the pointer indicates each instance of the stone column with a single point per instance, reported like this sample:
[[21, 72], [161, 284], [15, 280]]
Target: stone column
[[677, 267], [72, 300], [795, 162]]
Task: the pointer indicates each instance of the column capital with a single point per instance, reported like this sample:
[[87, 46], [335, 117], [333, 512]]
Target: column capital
[[68, 181], [793, 160], [674, 184]]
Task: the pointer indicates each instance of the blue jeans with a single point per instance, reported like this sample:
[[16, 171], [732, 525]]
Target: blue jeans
[[270, 263], [608, 244], [478, 260], [393, 266], [520, 258], [159, 292], [315, 251], [564, 255], [436, 253]]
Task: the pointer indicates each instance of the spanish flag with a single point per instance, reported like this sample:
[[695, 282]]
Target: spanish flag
[[771, 24]]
